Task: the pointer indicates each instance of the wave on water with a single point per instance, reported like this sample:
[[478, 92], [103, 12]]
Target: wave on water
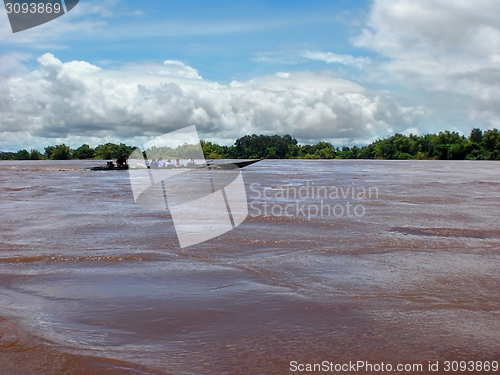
[[25, 353], [133, 257], [445, 232]]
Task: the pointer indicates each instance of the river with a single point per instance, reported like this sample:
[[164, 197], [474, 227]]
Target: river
[[339, 260]]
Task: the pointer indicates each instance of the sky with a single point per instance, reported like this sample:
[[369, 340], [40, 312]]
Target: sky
[[347, 72]]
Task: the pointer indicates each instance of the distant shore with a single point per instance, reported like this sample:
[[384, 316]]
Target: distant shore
[[445, 145]]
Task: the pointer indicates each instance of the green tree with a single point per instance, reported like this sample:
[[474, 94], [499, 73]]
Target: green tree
[[84, 152], [36, 155], [491, 144], [61, 152], [264, 146], [366, 152], [384, 148], [112, 150], [476, 135], [7, 156], [22, 155], [213, 151], [48, 151]]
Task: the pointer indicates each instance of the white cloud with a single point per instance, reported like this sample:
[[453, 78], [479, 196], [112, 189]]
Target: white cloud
[[178, 69], [432, 26], [330, 57], [282, 74], [76, 100], [447, 48]]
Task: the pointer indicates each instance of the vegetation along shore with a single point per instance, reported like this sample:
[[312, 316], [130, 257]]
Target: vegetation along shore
[[446, 145]]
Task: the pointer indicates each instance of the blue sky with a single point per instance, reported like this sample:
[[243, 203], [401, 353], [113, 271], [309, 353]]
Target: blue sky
[[224, 40], [342, 71]]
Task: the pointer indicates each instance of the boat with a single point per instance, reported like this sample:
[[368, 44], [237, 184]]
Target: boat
[[208, 165], [230, 165], [106, 168]]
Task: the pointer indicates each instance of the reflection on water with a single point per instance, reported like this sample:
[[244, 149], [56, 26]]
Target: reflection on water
[[91, 283]]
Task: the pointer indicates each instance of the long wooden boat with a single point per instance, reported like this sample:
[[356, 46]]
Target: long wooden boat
[[208, 165]]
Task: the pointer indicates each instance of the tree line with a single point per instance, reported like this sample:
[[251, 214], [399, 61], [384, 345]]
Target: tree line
[[445, 145], [63, 152]]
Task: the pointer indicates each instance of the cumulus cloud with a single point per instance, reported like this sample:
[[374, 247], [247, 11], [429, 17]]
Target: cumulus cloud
[[178, 69], [74, 100], [432, 26], [447, 48]]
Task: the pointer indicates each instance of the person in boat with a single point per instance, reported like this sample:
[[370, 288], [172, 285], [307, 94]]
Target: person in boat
[[189, 162], [177, 163], [168, 164], [154, 164], [110, 165], [161, 163], [121, 162]]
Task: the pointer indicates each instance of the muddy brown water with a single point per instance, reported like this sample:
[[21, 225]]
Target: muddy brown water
[[338, 261]]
